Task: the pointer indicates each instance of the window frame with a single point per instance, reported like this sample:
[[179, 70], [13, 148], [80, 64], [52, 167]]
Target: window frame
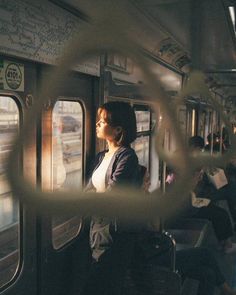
[[144, 107], [80, 102], [19, 104]]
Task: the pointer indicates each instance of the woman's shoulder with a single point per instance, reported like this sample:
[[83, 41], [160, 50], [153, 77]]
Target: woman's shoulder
[[125, 151], [101, 154]]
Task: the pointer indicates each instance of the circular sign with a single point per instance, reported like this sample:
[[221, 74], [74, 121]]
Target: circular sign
[[13, 76]]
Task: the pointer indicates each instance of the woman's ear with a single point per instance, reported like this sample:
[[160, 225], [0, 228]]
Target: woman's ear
[[119, 134], [118, 130]]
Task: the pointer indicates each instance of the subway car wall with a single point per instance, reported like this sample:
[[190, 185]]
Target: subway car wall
[[59, 61]]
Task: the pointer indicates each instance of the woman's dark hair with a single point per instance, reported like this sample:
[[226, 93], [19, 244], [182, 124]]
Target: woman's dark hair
[[196, 142], [119, 113]]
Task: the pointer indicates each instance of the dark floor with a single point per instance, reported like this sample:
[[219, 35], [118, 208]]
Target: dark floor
[[227, 262]]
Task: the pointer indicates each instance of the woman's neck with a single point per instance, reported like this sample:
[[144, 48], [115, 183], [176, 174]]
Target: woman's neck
[[112, 146]]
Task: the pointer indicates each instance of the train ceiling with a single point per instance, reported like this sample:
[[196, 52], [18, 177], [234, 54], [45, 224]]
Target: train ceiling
[[196, 33]]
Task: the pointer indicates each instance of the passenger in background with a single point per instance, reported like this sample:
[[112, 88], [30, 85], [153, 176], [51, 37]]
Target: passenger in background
[[230, 190], [231, 171], [114, 168], [205, 188], [225, 138], [218, 216], [202, 205], [197, 263], [216, 143]]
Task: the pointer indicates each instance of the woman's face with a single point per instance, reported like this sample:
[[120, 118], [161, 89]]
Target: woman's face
[[103, 129]]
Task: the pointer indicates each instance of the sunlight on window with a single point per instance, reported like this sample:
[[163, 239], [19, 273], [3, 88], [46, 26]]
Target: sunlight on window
[[232, 15], [9, 206]]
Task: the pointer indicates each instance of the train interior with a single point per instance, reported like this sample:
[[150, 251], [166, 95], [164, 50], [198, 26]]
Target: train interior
[[174, 61]]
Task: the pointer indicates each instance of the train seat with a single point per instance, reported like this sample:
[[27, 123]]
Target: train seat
[[154, 280], [192, 232], [148, 277]]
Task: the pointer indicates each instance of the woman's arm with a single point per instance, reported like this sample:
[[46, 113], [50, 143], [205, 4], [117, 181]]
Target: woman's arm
[[125, 171]]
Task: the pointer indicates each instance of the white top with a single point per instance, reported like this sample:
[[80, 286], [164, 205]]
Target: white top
[[99, 175]]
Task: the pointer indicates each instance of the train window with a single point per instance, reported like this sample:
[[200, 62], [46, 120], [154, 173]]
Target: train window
[[141, 147], [67, 163], [143, 120], [142, 144], [9, 207], [234, 129], [202, 124], [193, 122], [232, 15]]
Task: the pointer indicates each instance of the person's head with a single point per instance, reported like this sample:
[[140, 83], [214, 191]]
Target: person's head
[[196, 143], [210, 136], [117, 122]]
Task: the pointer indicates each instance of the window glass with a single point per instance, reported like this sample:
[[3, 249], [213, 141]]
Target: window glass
[[9, 207], [67, 160], [143, 120], [142, 144], [141, 147]]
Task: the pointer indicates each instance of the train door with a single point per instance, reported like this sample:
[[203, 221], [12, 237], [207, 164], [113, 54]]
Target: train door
[[62, 169], [18, 260]]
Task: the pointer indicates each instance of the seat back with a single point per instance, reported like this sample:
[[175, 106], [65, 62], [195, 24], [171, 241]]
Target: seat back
[[153, 280]]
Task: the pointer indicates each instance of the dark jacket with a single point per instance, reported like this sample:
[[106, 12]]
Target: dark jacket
[[122, 170]]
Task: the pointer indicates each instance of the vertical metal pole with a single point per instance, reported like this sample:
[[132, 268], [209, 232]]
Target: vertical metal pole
[[221, 139], [173, 251], [212, 130], [164, 177], [221, 128], [103, 93], [166, 147]]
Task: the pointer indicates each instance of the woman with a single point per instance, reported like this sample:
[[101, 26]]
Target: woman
[[114, 168]]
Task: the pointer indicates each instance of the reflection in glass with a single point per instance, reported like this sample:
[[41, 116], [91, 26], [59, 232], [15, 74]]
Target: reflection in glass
[[9, 207], [67, 137]]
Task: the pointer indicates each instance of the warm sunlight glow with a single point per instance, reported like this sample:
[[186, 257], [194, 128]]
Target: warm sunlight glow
[[232, 15]]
